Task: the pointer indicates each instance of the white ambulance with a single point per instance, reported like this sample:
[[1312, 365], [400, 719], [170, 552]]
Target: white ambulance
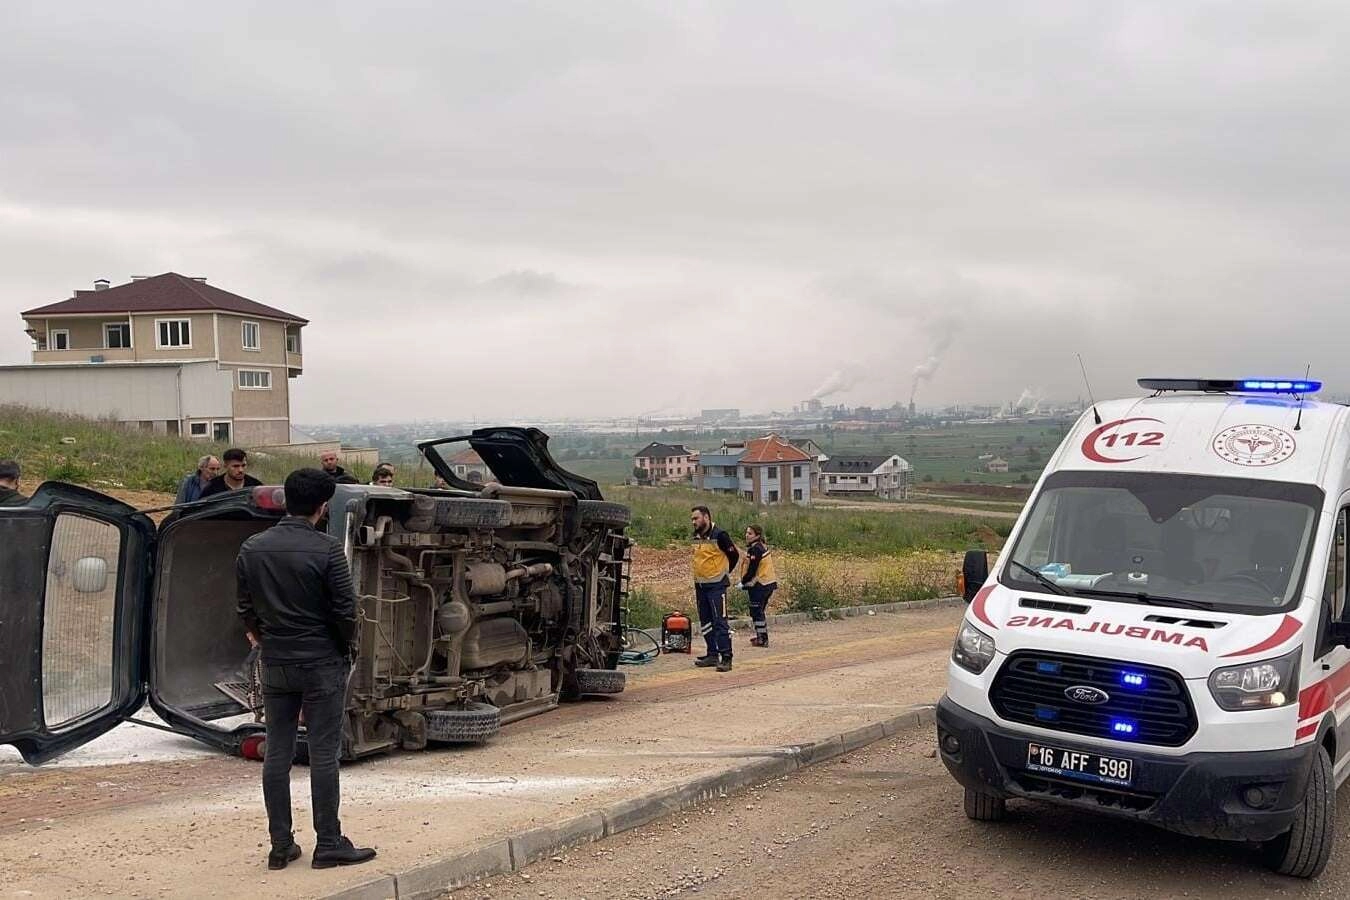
[[1164, 636]]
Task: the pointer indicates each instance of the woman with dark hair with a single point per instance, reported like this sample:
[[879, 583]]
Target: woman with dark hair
[[759, 579]]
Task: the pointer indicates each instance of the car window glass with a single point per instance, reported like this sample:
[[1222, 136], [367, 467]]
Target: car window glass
[[78, 621]]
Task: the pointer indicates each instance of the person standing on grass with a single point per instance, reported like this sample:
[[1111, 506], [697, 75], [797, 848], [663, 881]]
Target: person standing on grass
[[234, 478], [715, 557], [9, 484], [759, 579], [299, 608], [190, 490]]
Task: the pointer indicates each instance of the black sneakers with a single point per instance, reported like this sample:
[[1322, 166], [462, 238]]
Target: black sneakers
[[706, 662], [279, 857], [724, 665], [344, 854]]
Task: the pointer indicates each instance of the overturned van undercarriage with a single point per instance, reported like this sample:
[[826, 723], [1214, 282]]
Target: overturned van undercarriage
[[477, 606]]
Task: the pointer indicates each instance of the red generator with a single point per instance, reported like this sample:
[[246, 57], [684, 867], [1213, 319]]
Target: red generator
[[677, 633]]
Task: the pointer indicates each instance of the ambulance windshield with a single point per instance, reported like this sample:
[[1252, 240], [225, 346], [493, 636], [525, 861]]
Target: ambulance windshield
[[1199, 541]]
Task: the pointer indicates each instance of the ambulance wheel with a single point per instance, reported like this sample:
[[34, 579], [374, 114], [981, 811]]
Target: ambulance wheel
[[1303, 851], [471, 723], [985, 807], [600, 681]]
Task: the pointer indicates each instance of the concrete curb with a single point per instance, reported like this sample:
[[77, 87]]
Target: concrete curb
[[839, 612], [515, 853]]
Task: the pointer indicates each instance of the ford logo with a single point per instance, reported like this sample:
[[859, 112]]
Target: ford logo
[[1081, 693]]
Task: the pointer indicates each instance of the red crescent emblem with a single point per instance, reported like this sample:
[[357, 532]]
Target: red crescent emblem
[[1289, 627], [1090, 442], [977, 605]]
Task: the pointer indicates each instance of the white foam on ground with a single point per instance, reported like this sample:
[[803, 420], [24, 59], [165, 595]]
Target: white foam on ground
[[127, 743]]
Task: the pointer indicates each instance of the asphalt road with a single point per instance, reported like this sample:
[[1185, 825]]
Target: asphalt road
[[886, 821]]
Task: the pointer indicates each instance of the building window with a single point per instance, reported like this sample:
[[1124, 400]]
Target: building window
[[173, 334], [773, 496], [796, 493], [252, 336], [772, 473], [834, 479], [221, 432], [116, 335], [797, 473], [197, 429], [255, 380], [58, 340], [749, 495], [745, 471], [292, 342]]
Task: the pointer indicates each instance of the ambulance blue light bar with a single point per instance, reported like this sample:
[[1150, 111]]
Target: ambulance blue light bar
[[1233, 385]]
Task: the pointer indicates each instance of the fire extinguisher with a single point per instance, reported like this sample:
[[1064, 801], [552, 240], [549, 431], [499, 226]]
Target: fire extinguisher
[[677, 634]]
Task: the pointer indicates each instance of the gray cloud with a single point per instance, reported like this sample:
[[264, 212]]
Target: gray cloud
[[637, 199]]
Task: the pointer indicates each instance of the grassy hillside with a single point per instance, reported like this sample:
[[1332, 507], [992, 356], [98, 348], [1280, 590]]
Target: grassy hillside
[[103, 454]]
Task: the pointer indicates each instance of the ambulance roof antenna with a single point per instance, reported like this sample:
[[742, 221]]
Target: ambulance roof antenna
[[1298, 422], [1096, 416]]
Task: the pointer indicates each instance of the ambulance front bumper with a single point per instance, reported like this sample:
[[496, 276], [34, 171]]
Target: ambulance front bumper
[[1240, 796]]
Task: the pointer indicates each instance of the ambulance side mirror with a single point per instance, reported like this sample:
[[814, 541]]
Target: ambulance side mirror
[[974, 573]]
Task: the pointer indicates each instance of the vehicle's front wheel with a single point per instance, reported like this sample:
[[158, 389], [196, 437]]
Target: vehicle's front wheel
[[1303, 850], [985, 807]]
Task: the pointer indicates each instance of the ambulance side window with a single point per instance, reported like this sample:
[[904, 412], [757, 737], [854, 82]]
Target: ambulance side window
[[1333, 590]]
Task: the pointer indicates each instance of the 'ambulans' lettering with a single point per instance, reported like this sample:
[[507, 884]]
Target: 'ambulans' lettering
[[1138, 632]]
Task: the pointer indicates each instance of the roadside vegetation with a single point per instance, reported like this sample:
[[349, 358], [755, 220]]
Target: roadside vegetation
[[106, 455], [826, 557]]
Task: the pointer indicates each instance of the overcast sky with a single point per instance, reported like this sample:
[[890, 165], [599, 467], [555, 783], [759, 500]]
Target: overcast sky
[[529, 210]]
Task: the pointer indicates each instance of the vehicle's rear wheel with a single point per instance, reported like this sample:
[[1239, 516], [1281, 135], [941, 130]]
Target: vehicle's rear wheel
[[1303, 850], [985, 807], [602, 512], [600, 681], [468, 724]]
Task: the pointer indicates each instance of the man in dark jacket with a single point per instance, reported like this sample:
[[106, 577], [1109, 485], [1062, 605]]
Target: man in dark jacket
[[9, 484], [714, 558], [234, 478], [329, 460], [298, 604]]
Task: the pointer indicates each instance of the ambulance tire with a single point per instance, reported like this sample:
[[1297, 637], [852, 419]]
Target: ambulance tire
[[1303, 851], [602, 512], [985, 807], [600, 681], [471, 723]]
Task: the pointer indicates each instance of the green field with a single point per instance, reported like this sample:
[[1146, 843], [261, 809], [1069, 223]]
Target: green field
[[661, 518], [939, 454]]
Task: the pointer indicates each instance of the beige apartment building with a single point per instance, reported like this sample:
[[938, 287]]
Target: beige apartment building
[[167, 353]]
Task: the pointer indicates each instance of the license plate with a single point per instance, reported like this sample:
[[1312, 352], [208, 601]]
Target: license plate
[[1080, 766]]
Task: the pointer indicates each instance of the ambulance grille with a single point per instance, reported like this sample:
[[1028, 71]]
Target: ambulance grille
[[1031, 689]]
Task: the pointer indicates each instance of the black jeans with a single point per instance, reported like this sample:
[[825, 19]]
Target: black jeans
[[320, 689]]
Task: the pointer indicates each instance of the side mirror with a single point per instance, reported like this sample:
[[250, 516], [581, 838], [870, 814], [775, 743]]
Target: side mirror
[[974, 573], [89, 575]]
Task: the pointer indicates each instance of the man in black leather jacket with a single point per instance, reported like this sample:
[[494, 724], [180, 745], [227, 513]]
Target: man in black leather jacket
[[298, 603]]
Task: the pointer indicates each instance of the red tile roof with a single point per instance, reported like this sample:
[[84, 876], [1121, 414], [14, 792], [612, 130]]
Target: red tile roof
[[169, 292], [466, 457], [771, 449]]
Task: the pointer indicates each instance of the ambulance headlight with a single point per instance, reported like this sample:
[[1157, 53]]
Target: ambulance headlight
[[1259, 685], [974, 649]]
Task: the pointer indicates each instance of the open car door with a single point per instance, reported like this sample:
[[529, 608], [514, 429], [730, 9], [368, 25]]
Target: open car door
[[74, 584]]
